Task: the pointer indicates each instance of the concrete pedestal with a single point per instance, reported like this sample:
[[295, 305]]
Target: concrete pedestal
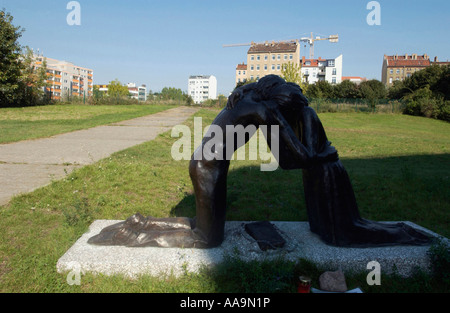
[[300, 243]]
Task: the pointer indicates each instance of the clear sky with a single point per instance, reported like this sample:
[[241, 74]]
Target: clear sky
[[162, 43]]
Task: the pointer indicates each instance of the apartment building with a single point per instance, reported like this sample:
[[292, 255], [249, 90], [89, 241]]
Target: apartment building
[[241, 73], [268, 58], [398, 67], [314, 70], [66, 79], [202, 87], [137, 92]]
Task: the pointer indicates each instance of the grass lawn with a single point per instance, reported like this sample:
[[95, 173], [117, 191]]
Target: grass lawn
[[44, 121], [399, 167]]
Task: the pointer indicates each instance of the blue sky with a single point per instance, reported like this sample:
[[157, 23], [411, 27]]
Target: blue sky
[[161, 43]]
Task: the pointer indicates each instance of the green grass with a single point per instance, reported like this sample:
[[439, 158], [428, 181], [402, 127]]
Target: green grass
[[399, 167], [44, 121]]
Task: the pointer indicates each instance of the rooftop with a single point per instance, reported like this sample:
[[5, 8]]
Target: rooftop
[[273, 47], [406, 60], [312, 62], [241, 67]]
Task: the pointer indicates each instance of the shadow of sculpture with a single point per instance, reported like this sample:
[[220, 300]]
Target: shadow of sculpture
[[298, 141]]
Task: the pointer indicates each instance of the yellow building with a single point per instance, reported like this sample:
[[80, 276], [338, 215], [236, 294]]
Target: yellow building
[[399, 67], [268, 58]]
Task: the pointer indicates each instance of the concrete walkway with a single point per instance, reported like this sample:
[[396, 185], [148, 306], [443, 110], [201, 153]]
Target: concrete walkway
[[30, 164]]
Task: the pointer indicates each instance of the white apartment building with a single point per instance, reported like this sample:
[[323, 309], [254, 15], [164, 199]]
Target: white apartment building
[[314, 70], [66, 79], [202, 87], [139, 93]]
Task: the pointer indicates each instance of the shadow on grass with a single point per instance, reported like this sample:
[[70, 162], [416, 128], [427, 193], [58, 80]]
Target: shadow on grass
[[406, 188]]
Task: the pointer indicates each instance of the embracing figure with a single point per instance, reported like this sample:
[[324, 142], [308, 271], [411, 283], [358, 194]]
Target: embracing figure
[[302, 144]]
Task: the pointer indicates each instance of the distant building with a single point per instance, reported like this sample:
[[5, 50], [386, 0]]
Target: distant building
[[139, 93], [66, 79], [437, 62], [314, 70], [399, 67], [354, 79], [202, 87], [241, 73], [268, 58], [102, 88]]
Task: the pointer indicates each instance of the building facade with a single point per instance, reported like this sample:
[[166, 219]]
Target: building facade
[[241, 73], [137, 92], [314, 70], [202, 88], [268, 58], [66, 79], [398, 67]]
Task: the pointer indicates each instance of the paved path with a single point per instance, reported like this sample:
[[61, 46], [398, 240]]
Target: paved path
[[30, 164]]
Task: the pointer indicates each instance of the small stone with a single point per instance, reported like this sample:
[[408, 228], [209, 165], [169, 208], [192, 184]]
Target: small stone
[[333, 281]]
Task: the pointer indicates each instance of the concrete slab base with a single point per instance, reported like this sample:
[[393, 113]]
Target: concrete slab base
[[301, 243]]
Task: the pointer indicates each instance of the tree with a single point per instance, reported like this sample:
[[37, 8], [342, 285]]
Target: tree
[[33, 81], [172, 93], [10, 60], [320, 90], [347, 90], [117, 90], [373, 89], [291, 73]]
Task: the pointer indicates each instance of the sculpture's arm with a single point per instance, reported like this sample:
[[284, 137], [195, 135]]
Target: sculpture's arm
[[299, 156]]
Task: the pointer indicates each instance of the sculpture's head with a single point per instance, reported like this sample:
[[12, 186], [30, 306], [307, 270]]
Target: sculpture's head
[[288, 96]]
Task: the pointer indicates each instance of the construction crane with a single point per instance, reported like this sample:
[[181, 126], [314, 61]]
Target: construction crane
[[311, 40]]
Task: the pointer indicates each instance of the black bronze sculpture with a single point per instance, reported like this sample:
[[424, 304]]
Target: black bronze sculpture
[[331, 205]]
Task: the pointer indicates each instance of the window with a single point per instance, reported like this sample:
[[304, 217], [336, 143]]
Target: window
[[390, 80], [331, 63], [239, 73], [252, 57], [307, 63], [278, 67], [391, 71], [258, 58], [252, 78], [290, 56], [285, 57], [273, 67], [257, 67], [398, 72], [243, 73], [273, 57], [265, 67], [334, 71], [265, 57], [252, 68], [333, 80]]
